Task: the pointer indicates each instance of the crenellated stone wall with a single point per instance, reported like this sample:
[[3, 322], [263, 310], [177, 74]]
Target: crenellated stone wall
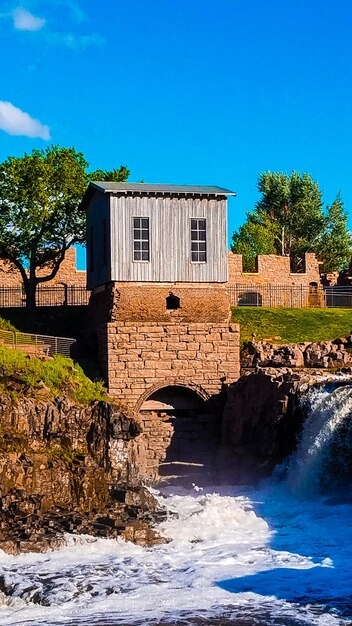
[[273, 270]]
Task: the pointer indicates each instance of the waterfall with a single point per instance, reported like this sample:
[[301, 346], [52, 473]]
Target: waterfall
[[323, 460]]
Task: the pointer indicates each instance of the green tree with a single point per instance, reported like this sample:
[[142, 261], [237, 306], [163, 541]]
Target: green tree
[[252, 238], [334, 248], [292, 206], [39, 197], [118, 175]]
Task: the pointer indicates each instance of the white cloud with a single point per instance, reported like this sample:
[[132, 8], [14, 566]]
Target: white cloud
[[14, 121], [24, 20]]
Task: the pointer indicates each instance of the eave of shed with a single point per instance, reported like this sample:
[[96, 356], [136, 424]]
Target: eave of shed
[[147, 188], [151, 189]]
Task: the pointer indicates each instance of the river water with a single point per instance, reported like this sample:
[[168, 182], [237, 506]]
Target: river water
[[279, 554]]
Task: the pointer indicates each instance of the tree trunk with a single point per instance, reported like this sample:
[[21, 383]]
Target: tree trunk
[[31, 289]]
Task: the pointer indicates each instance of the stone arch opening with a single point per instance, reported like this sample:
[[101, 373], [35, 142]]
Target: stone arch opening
[[182, 432]]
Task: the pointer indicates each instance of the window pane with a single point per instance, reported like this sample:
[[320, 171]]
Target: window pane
[[141, 238], [198, 240]]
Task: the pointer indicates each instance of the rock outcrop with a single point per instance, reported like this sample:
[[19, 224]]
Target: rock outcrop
[[319, 354], [65, 467]]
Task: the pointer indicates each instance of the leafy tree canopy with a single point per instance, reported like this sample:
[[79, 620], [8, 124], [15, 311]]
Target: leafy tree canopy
[[39, 196], [291, 210], [252, 238]]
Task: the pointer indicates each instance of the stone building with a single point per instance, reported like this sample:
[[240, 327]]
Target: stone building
[[159, 310]]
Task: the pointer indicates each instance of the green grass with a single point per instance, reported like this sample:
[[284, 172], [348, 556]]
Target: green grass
[[292, 325], [60, 375]]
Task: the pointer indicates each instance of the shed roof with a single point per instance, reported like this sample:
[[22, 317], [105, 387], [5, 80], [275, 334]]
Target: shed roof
[[112, 187]]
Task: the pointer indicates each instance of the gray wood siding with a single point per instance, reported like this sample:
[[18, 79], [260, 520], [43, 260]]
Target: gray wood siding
[[170, 238], [98, 210]]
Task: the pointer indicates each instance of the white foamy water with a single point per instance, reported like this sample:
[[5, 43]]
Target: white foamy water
[[260, 557], [223, 560]]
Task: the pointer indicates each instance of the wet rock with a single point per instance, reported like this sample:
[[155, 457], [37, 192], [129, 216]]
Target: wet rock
[[68, 468]]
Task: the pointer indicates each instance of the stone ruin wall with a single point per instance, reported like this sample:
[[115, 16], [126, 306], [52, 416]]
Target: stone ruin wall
[[67, 274], [273, 270]]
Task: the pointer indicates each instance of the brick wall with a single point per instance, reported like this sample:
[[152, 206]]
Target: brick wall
[[273, 270], [68, 274], [9, 275], [147, 302]]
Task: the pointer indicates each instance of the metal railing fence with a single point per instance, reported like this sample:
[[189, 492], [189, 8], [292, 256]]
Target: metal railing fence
[[48, 295], [338, 297], [38, 345], [290, 296], [276, 296]]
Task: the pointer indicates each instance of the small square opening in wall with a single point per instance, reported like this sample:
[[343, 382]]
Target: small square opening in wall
[[172, 302]]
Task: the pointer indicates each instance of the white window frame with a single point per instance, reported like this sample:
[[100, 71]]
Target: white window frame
[[198, 240], [142, 241]]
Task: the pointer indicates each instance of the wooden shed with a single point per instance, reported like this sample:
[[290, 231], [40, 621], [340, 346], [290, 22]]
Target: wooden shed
[[139, 232]]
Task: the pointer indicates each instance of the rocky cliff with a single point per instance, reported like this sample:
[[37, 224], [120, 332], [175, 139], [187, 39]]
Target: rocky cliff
[[264, 411], [66, 467]]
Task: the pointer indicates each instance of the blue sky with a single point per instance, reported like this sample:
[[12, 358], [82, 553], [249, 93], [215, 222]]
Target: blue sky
[[184, 91]]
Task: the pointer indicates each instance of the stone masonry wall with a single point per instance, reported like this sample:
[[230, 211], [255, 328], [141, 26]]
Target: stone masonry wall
[[143, 357], [272, 270], [68, 274], [142, 347]]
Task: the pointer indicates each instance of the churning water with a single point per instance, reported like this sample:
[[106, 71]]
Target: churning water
[[278, 555]]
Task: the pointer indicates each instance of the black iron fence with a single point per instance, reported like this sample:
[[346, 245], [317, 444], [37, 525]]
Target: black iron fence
[[290, 296], [48, 295]]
